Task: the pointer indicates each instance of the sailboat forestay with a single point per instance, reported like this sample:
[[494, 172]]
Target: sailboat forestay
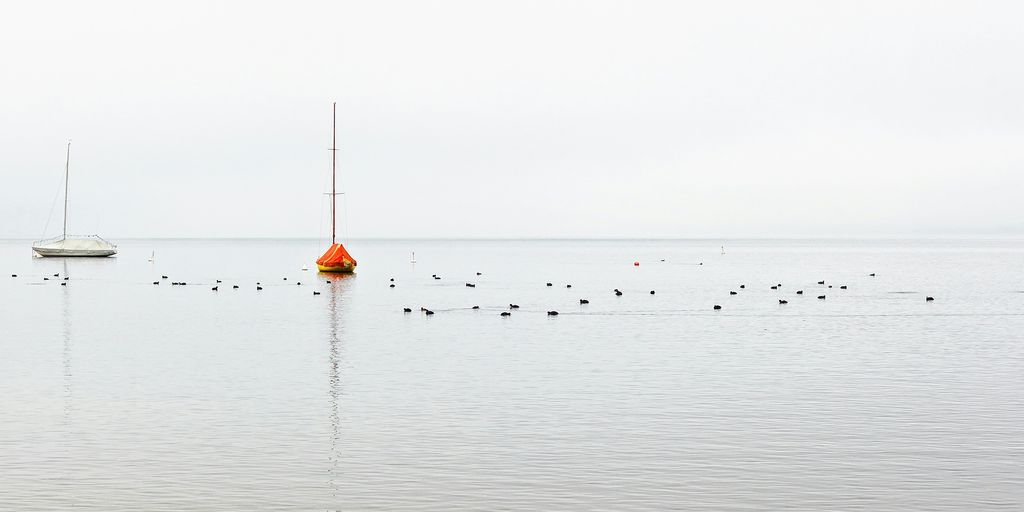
[[72, 245], [336, 259]]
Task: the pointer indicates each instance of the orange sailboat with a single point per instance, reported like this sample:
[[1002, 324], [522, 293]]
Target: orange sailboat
[[336, 259]]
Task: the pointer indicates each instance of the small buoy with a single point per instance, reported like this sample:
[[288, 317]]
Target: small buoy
[[297, 283], [822, 297], [552, 313], [284, 278], [652, 292], [636, 263], [717, 306], [568, 286], [584, 301], [407, 310], [928, 299], [843, 287], [732, 293], [783, 301], [214, 288], [742, 286], [316, 292], [392, 279], [476, 307], [799, 292], [506, 313]]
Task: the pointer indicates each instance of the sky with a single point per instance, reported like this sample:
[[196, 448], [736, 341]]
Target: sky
[[514, 119]]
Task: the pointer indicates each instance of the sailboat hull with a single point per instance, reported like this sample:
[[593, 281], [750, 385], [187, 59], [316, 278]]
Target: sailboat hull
[[88, 247], [337, 270], [74, 253]]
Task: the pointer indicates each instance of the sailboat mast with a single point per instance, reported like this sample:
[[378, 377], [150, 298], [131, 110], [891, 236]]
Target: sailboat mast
[[334, 171], [67, 165]]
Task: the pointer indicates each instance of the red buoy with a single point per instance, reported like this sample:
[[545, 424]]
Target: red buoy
[[636, 263]]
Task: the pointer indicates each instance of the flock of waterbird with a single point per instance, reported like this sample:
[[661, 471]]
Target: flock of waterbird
[[511, 306], [619, 293]]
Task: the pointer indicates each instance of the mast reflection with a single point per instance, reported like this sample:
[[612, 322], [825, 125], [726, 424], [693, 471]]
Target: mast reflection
[[66, 351], [337, 286]]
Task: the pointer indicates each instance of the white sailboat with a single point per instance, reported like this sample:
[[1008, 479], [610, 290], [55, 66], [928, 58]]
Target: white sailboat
[[72, 245]]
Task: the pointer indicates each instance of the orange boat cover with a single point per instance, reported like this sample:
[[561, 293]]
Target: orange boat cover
[[336, 259]]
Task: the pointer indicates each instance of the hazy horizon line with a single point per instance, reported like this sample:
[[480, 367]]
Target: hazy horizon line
[[724, 239]]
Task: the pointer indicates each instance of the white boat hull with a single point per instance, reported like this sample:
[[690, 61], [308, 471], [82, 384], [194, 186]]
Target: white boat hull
[[74, 252], [92, 246]]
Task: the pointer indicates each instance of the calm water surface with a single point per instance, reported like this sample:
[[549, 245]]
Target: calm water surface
[[116, 394]]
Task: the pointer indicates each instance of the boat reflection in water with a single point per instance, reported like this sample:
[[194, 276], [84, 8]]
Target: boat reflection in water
[[337, 285]]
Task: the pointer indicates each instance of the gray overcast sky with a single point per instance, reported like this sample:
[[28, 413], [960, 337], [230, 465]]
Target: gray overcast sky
[[517, 118]]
